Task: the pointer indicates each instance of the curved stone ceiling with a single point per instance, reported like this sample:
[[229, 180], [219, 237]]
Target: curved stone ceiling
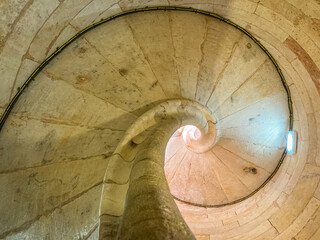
[[50, 179], [126, 64], [244, 91]]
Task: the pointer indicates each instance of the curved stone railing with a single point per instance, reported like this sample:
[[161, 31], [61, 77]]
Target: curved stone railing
[[136, 198]]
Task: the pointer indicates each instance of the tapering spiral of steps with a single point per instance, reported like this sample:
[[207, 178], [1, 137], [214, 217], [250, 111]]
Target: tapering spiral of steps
[[80, 106]]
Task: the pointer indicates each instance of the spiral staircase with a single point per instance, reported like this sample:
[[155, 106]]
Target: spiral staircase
[[164, 122]]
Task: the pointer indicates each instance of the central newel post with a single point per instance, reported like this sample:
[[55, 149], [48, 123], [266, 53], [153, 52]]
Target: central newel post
[[136, 202], [150, 211]]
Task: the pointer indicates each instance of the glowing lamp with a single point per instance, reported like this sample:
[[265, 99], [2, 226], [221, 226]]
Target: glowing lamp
[[291, 142]]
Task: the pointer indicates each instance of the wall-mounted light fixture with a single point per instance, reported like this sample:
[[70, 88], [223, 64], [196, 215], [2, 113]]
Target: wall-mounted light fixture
[[291, 142]]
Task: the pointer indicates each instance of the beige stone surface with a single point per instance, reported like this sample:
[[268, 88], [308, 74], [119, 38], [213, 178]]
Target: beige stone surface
[[214, 60], [60, 136], [263, 84], [57, 21], [75, 220], [42, 143], [56, 186], [14, 50], [186, 43], [91, 12], [158, 51], [11, 10], [246, 59], [49, 103], [134, 69]]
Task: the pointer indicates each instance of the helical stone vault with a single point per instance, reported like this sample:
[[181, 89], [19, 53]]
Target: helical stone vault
[[132, 104]]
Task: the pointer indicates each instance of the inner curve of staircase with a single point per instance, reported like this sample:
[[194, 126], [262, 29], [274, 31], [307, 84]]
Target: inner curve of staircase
[[98, 87]]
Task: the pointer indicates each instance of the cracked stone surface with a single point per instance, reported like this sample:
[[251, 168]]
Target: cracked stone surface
[[62, 135]]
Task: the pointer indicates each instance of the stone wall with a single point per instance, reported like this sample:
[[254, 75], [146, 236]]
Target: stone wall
[[57, 142]]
